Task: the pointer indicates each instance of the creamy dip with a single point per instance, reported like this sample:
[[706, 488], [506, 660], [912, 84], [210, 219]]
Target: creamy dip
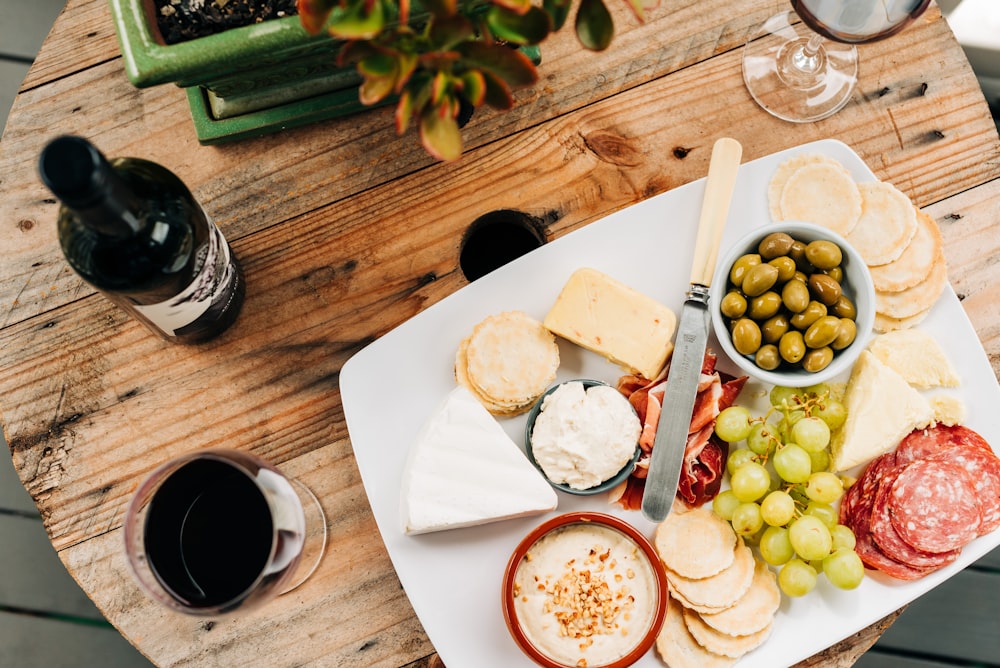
[[585, 594], [583, 437]]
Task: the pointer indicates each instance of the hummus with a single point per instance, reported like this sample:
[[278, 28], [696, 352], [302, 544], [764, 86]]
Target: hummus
[[583, 437], [585, 594]]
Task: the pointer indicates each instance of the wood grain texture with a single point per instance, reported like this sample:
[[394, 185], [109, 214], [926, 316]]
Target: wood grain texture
[[346, 231]]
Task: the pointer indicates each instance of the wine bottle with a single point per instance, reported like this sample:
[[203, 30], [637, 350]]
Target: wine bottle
[[131, 229]]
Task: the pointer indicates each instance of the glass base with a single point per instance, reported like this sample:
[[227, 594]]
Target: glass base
[[315, 540], [789, 79]]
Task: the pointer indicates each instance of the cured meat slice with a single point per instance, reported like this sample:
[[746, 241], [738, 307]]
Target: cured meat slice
[[922, 443], [932, 507], [888, 539], [983, 468]]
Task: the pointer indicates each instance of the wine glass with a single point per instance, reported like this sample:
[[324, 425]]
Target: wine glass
[[218, 530], [796, 74]]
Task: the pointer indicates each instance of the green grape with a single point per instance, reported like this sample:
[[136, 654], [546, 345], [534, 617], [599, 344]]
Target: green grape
[[783, 396], [724, 504], [737, 459], [792, 418], [762, 439], [820, 460], [792, 463], [777, 508], [775, 547], [810, 538], [817, 390], [826, 513], [750, 482], [746, 519], [832, 412], [843, 538], [733, 424], [824, 487], [797, 578], [844, 569], [811, 434]]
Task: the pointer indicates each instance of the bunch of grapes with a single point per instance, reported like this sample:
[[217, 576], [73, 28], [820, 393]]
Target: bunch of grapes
[[782, 493]]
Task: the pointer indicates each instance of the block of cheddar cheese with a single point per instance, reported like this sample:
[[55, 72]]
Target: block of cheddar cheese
[[612, 319]]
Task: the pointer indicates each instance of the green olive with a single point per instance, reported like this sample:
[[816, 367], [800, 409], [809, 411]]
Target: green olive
[[741, 267], [746, 336], [823, 254], [845, 308], [800, 276], [823, 332], [767, 357], [791, 347], [824, 289], [775, 245], [764, 306], [817, 360], [846, 333], [795, 295], [774, 328], [786, 268], [798, 252], [837, 273], [759, 279], [733, 305], [810, 314]]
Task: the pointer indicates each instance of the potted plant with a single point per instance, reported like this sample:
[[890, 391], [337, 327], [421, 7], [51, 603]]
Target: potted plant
[[437, 61]]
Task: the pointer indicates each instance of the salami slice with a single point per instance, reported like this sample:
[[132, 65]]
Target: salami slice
[[888, 539], [923, 443], [983, 468], [932, 507]]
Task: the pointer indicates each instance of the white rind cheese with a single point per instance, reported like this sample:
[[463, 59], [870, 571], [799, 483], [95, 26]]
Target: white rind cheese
[[882, 408], [464, 470]]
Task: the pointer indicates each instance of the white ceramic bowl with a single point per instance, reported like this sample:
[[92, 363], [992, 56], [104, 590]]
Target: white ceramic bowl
[[856, 283]]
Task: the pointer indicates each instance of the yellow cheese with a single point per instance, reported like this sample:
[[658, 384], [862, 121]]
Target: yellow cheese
[[603, 315], [882, 408], [916, 356]]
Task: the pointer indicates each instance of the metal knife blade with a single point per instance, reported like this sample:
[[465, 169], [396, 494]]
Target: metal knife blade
[[692, 337]]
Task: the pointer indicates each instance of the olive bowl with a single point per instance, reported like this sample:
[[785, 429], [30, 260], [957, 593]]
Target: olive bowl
[[856, 284]]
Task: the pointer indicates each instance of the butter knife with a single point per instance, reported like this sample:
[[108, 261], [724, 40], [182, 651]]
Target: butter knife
[[692, 336]]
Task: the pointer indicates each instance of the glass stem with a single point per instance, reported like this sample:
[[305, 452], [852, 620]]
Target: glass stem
[[806, 57]]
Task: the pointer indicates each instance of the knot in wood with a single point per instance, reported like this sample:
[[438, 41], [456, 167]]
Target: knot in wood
[[612, 148]]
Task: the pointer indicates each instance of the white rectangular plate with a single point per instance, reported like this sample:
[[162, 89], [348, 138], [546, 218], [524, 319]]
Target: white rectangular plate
[[453, 578]]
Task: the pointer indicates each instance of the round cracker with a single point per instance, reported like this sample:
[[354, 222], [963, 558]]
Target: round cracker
[[777, 183], [511, 358], [704, 609], [913, 300], [724, 588], [754, 611], [915, 262], [722, 643], [462, 377], [678, 648], [884, 323], [824, 194], [695, 544], [888, 222]]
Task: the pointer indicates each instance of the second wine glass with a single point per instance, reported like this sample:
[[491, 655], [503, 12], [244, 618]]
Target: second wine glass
[[802, 65]]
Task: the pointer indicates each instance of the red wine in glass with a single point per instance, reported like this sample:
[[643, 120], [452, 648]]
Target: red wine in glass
[[802, 65], [218, 530]]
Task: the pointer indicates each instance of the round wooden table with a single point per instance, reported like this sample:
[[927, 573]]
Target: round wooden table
[[346, 231]]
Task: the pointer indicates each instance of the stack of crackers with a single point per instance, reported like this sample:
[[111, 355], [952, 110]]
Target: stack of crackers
[[722, 600], [507, 362], [900, 243]]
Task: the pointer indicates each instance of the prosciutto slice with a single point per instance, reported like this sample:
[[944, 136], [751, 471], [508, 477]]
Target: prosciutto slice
[[704, 455]]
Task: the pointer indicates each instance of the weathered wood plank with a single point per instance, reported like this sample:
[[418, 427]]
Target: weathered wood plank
[[90, 40]]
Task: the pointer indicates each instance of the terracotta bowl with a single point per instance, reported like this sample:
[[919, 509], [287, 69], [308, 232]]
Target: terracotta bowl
[[624, 561]]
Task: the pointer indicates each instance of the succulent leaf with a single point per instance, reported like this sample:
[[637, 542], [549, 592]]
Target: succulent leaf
[[473, 86], [313, 14], [516, 6], [445, 32], [498, 93], [558, 11], [439, 132], [440, 8], [356, 20], [594, 25], [531, 27], [509, 64]]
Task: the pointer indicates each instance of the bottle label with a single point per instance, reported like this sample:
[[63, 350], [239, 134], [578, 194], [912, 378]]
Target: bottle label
[[215, 281]]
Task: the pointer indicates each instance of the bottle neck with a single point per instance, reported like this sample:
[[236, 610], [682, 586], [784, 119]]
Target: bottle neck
[[88, 186]]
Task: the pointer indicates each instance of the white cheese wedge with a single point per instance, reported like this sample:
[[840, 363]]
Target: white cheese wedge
[[916, 356], [601, 314], [882, 408], [464, 470]]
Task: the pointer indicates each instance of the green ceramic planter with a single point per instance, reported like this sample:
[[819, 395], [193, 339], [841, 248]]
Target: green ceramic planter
[[242, 82]]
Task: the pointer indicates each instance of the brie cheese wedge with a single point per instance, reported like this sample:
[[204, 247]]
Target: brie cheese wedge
[[882, 408], [464, 470]]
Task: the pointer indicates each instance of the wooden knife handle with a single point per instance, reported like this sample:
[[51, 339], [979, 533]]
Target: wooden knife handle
[[722, 170]]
